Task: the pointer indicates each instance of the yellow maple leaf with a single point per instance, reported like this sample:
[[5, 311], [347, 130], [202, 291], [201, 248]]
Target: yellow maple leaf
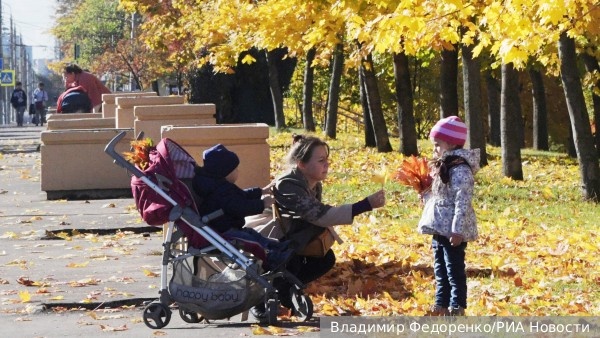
[[63, 235], [10, 235], [149, 273], [276, 330], [380, 176], [25, 296], [78, 265], [260, 331], [548, 194], [307, 329], [248, 59]]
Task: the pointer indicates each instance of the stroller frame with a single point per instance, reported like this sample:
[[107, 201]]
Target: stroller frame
[[157, 314]]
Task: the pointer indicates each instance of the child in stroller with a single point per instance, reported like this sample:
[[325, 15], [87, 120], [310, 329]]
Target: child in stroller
[[214, 183], [210, 277]]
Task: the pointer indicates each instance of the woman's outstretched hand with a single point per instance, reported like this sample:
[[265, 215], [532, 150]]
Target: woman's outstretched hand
[[377, 200], [268, 189]]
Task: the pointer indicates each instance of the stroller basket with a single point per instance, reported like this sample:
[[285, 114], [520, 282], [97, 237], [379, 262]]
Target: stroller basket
[[217, 291]]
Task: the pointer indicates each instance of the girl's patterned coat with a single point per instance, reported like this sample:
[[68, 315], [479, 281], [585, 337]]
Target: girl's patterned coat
[[448, 207]]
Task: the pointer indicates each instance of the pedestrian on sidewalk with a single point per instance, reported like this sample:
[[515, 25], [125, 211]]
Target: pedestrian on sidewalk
[[40, 97], [74, 76], [18, 100]]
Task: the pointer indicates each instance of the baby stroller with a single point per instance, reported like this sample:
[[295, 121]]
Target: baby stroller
[[218, 280]]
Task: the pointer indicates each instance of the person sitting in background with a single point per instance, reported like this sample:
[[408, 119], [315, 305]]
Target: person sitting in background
[[214, 182], [74, 76], [74, 100]]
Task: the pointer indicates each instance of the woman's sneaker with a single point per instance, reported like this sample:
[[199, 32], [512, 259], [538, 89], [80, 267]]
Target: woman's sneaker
[[259, 312]]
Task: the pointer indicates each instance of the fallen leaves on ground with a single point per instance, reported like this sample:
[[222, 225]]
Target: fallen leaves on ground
[[537, 253]]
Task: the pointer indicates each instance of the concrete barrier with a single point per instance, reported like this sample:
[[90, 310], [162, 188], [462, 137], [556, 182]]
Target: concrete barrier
[[248, 141], [124, 113], [109, 106], [74, 165], [82, 123], [73, 116], [150, 119]]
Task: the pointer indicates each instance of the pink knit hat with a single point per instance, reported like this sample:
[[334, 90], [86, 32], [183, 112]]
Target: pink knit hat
[[450, 129]]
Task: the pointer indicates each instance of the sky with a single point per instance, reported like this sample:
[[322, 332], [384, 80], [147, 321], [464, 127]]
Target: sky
[[33, 20]]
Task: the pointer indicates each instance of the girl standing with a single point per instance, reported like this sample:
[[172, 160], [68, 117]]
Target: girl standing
[[448, 213]]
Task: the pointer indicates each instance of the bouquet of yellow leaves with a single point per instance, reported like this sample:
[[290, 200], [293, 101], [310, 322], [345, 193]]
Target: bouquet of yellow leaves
[[414, 172], [140, 153]]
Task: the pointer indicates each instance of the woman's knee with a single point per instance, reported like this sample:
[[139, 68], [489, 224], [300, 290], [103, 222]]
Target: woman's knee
[[329, 259]]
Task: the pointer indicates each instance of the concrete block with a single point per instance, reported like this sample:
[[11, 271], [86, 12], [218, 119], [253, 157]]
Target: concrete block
[[150, 119], [124, 113], [83, 123], [75, 166], [109, 106], [248, 141], [73, 116]]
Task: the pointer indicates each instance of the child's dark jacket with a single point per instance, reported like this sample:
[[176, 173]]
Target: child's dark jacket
[[236, 203]]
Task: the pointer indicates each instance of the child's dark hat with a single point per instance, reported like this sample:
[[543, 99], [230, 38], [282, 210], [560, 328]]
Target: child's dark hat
[[219, 161]]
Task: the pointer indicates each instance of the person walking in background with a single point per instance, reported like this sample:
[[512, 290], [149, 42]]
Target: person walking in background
[[18, 100], [74, 76], [448, 214], [40, 97]]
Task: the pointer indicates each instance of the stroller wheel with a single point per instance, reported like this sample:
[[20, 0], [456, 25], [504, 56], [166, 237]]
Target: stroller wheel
[[303, 305], [157, 315], [272, 310], [189, 316]]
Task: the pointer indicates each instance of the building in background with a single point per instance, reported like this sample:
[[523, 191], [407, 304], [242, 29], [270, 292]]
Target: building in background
[[16, 62]]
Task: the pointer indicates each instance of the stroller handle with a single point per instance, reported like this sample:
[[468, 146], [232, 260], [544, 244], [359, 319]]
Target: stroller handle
[[118, 159]]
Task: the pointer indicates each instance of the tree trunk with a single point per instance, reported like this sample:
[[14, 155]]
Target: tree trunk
[[580, 120], [334, 91], [494, 89], [540, 113], [307, 93], [472, 98], [155, 87], [376, 112], [510, 114], [449, 83], [404, 97], [369, 133], [276, 94], [591, 65]]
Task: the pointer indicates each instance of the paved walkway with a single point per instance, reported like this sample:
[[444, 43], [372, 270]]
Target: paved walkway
[[80, 268]]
